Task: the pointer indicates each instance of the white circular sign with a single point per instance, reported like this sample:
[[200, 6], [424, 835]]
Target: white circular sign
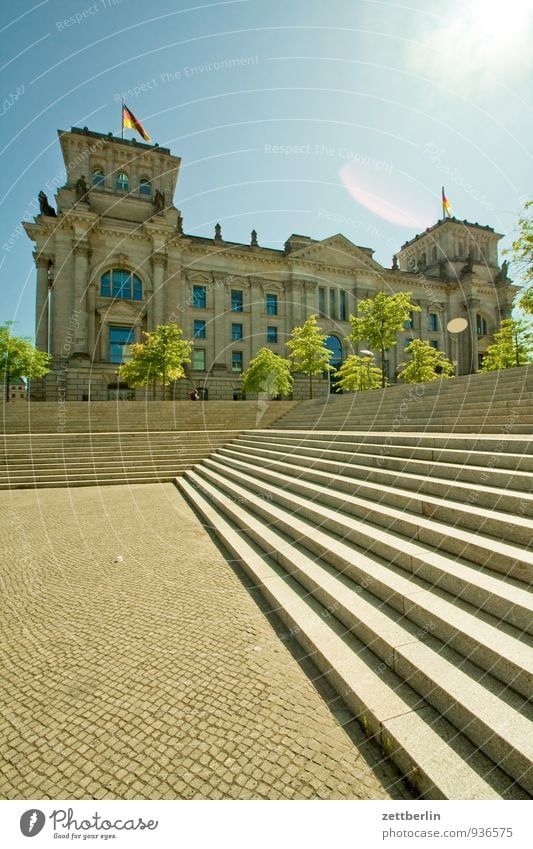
[[457, 325]]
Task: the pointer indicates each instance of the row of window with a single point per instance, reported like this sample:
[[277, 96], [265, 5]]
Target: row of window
[[329, 306], [122, 182], [198, 360], [199, 300], [199, 331]]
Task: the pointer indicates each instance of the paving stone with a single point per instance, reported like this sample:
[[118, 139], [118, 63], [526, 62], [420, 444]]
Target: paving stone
[[139, 678]]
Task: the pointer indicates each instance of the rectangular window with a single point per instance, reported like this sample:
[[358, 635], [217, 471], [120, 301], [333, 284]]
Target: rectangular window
[[236, 361], [198, 359], [410, 322], [343, 311], [237, 300], [119, 340], [272, 334], [407, 343], [322, 302], [434, 344], [199, 297], [236, 332], [199, 329], [271, 304], [433, 322], [332, 303]]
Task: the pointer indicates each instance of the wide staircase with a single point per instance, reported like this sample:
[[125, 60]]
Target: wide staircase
[[402, 563], [477, 403], [108, 443]]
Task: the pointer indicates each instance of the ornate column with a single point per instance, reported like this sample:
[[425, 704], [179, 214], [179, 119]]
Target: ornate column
[[42, 261], [81, 267], [310, 295], [159, 259]]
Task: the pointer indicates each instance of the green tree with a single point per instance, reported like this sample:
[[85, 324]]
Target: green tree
[[357, 374], [380, 320], [268, 372], [521, 250], [308, 351], [159, 360], [20, 359], [525, 301], [513, 345], [425, 363]]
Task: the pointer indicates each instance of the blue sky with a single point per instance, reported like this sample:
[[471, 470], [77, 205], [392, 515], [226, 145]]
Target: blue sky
[[307, 117]]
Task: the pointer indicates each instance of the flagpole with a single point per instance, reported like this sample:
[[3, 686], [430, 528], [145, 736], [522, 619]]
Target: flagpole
[[443, 209], [122, 118]]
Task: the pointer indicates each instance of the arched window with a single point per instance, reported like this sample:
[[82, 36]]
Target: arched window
[[145, 187], [434, 254], [334, 344], [122, 182], [481, 325], [98, 178], [422, 262], [121, 283]]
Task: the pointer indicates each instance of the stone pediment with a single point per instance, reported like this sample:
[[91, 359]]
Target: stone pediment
[[337, 251], [121, 311]]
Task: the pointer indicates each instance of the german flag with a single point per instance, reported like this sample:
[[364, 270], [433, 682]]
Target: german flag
[[446, 206], [130, 122]]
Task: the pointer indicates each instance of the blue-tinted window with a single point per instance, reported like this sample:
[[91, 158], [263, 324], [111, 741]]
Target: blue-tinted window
[[410, 323], [343, 312], [121, 283], [98, 178], [199, 329], [332, 303], [433, 322], [145, 187], [236, 360], [199, 297], [481, 325], [434, 344], [119, 339], [271, 303], [322, 302], [122, 181], [237, 300], [236, 332], [272, 334], [198, 359]]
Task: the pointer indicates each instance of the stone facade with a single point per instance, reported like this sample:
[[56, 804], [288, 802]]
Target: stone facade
[[114, 261]]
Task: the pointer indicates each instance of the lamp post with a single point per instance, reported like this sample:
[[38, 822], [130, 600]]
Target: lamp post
[[454, 327], [368, 354]]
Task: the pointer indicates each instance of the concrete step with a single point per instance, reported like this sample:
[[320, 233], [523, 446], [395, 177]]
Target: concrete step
[[410, 727], [444, 451], [492, 596], [482, 508], [98, 479], [350, 516]]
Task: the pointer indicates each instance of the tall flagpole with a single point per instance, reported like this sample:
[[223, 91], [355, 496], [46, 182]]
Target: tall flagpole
[[443, 208], [122, 118]]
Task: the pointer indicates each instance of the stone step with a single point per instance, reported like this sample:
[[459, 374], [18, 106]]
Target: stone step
[[411, 731], [129, 478], [501, 443], [351, 516], [514, 605], [482, 508], [503, 479], [395, 446]]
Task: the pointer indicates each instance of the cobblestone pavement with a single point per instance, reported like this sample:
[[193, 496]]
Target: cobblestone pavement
[[136, 664]]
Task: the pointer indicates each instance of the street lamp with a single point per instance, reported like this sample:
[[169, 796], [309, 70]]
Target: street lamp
[[368, 354], [454, 327]]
